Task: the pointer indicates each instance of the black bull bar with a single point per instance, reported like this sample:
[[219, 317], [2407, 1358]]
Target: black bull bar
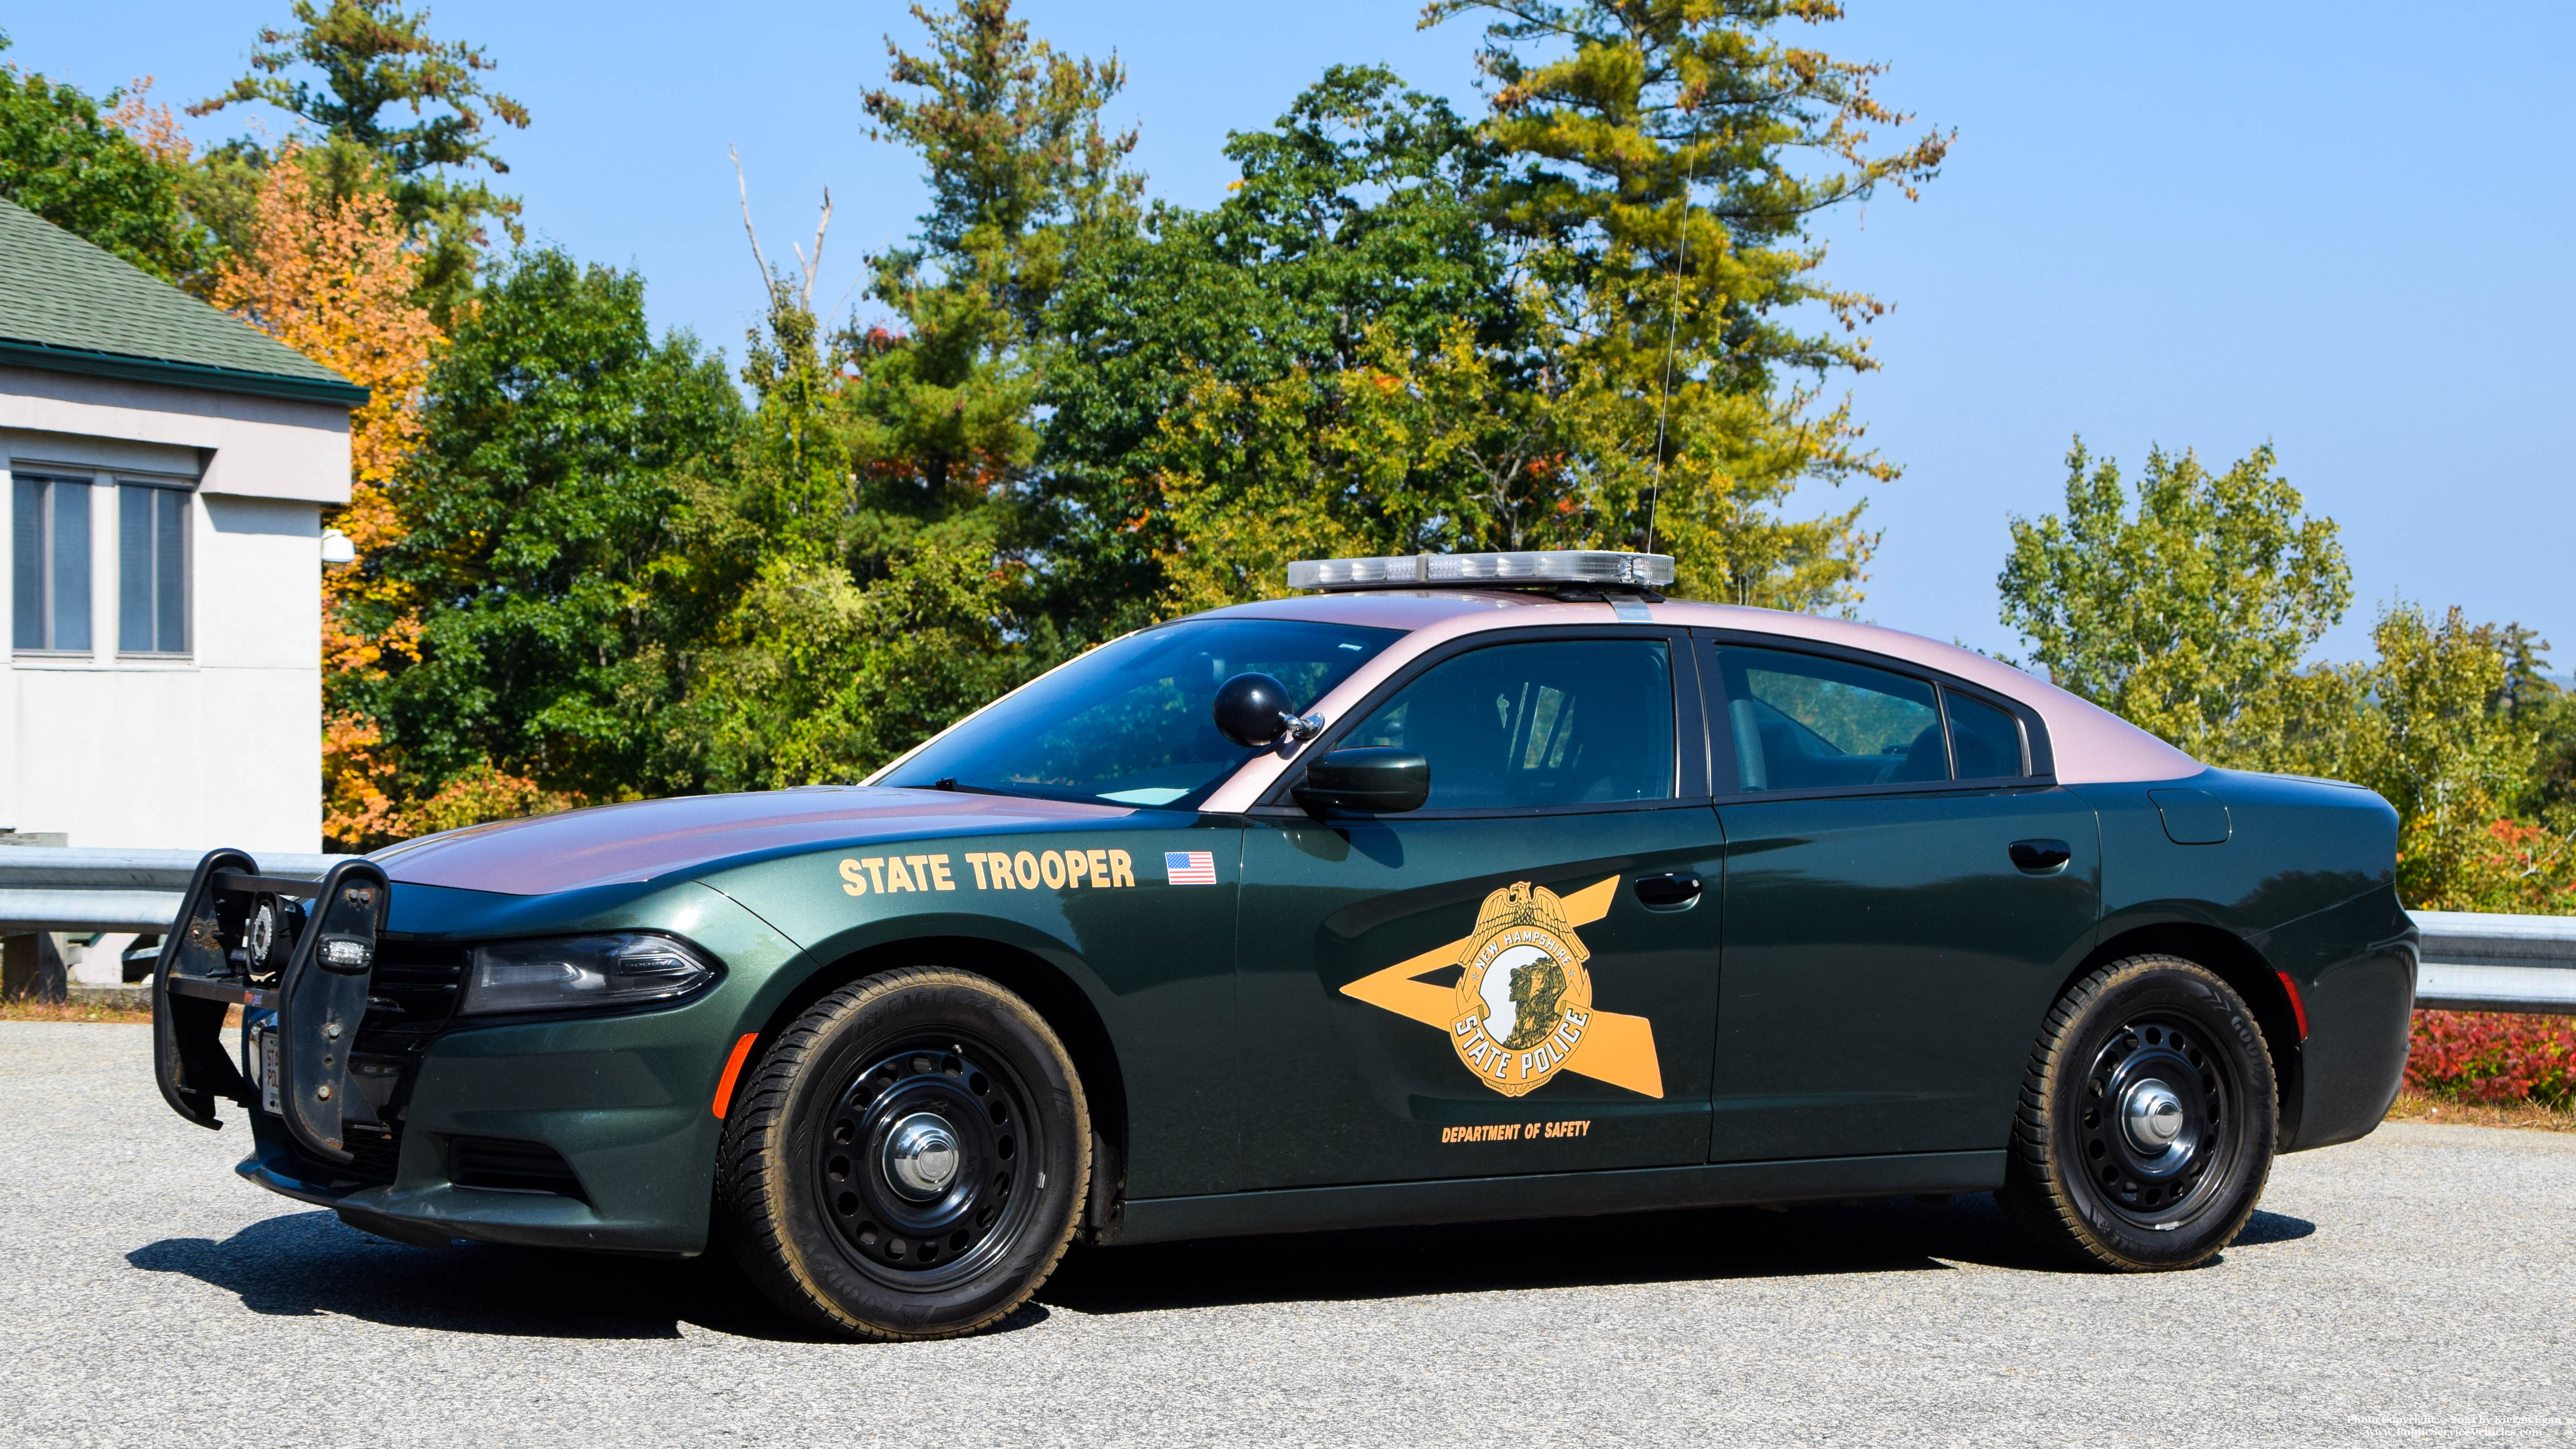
[[249, 940]]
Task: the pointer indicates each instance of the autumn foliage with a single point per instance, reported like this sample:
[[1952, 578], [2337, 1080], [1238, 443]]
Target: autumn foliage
[[2479, 1056], [334, 277]]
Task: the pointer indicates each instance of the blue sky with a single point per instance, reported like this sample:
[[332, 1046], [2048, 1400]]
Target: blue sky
[[2339, 228]]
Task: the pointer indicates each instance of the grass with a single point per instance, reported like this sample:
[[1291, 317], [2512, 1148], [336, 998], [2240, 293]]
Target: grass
[[2414, 1106], [23, 1009]]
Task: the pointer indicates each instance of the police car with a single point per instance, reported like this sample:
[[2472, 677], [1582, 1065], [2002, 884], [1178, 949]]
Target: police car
[[1489, 886]]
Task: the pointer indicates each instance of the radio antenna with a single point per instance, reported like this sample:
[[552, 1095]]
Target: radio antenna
[[1672, 330]]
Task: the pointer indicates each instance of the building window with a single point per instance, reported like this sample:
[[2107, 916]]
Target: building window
[[49, 540], [151, 570]]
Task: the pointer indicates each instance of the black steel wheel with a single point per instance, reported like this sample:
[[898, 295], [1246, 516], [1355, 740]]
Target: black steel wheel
[[910, 1159], [920, 1158], [2147, 1119]]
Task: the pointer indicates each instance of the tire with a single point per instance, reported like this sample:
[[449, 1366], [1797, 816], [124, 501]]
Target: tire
[[2147, 1121], [910, 1159]]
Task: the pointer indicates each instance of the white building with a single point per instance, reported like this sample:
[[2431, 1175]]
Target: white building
[[166, 466]]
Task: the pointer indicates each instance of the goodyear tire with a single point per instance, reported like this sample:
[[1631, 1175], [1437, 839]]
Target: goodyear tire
[[909, 1160], [2147, 1119]]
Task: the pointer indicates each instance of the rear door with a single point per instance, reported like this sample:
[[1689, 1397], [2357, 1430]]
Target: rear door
[[1480, 987], [1906, 890]]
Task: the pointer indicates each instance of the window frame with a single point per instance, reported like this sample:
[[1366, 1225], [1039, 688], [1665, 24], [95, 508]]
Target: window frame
[[2037, 757], [49, 481], [187, 576], [1691, 762]]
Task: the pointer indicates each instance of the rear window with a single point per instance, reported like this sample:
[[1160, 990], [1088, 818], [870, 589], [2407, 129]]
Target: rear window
[[1802, 722]]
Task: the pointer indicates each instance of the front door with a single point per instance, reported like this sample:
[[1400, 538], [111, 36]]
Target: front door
[[1521, 976], [1904, 898]]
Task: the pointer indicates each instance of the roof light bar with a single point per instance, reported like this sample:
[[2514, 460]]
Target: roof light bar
[[1600, 568]]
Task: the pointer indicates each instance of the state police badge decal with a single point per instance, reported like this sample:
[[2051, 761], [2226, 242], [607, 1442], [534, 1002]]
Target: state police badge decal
[[1525, 1000], [1522, 1010]]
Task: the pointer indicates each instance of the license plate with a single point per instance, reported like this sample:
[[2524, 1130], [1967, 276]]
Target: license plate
[[268, 1071]]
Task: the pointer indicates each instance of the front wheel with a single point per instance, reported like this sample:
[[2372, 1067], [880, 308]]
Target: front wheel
[[2147, 1119], [910, 1159]]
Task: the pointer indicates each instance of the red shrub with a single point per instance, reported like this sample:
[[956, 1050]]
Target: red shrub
[[2493, 1056]]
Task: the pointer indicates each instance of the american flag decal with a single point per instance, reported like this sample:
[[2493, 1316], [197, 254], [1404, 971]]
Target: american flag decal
[[1189, 867]]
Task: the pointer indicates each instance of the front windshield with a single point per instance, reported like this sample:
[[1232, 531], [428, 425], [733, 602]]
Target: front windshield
[[1131, 722]]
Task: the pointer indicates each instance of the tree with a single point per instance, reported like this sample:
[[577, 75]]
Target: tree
[[555, 569], [1023, 179], [335, 281], [1021, 173], [90, 174], [2438, 749], [1222, 380], [372, 55], [882, 472], [2190, 617], [1655, 186], [2439, 736]]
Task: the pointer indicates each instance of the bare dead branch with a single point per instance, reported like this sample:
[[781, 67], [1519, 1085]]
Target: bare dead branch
[[767, 278], [814, 266]]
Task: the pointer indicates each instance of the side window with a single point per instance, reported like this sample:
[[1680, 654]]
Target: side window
[[1983, 739], [1806, 723], [49, 548], [1586, 721]]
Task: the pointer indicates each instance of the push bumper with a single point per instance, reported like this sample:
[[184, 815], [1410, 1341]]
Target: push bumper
[[574, 1131]]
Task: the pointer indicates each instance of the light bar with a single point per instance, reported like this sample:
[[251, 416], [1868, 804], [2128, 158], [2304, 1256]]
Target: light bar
[[1553, 566]]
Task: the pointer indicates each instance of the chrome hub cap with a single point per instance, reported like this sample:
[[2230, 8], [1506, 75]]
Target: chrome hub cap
[[2153, 1115], [921, 1155]]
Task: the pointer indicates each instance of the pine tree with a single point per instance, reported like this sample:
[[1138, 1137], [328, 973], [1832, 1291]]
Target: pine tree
[[1656, 187], [373, 57]]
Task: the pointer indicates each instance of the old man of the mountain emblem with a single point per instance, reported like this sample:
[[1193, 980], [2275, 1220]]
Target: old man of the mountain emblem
[[1525, 1000]]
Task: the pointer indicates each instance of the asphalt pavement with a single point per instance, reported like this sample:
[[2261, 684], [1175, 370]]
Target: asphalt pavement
[[2414, 1287]]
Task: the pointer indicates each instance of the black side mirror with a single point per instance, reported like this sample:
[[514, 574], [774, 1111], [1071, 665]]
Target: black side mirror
[[1378, 781], [1253, 710]]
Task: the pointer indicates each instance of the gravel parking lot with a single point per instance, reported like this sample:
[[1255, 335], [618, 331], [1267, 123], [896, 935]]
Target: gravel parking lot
[[2413, 1287]]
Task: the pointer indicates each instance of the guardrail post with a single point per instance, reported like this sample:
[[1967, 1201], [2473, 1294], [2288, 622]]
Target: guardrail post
[[31, 968]]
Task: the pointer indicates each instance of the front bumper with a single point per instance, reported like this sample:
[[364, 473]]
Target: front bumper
[[627, 1102], [620, 1106]]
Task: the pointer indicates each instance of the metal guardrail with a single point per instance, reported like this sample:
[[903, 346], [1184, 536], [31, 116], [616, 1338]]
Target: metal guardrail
[[46, 888], [2471, 961]]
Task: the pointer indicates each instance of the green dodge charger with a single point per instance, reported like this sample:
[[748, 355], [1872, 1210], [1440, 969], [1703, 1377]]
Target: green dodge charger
[[1479, 886]]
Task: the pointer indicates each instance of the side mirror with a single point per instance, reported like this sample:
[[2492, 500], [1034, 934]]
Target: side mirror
[[1377, 781], [1253, 710]]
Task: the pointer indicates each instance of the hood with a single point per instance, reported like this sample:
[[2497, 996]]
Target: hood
[[648, 839]]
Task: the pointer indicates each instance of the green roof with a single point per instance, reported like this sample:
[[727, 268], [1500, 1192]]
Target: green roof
[[68, 306]]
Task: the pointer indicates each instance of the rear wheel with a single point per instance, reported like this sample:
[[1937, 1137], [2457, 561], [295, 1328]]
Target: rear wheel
[[2147, 1119], [910, 1159]]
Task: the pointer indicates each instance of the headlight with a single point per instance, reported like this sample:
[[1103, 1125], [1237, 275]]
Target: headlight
[[568, 973]]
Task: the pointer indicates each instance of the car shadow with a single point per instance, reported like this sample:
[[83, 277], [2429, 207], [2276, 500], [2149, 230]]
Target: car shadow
[[310, 1263], [2265, 1228], [307, 1263], [1905, 1235], [1882, 1236]]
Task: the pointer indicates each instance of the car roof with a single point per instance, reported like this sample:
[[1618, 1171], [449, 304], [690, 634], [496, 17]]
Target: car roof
[[2090, 743]]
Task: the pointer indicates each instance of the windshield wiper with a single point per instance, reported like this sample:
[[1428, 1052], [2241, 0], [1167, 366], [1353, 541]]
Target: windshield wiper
[[953, 785]]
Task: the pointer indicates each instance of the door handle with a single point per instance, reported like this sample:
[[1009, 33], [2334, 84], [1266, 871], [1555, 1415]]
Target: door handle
[[2040, 857], [1667, 892]]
